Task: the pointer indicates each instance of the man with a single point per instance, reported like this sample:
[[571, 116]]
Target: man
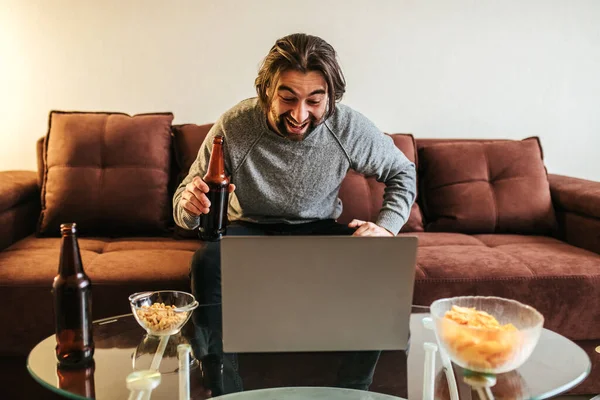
[[287, 152]]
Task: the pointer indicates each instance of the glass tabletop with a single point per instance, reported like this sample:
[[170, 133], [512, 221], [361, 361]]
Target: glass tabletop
[[123, 347]]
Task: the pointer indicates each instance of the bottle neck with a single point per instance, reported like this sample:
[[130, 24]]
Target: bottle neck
[[70, 258], [216, 165]]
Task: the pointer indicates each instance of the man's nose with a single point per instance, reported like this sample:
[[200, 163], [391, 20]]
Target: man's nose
[[300, 112]]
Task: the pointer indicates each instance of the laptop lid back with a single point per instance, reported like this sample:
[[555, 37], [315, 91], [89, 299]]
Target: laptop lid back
[[316, 293]]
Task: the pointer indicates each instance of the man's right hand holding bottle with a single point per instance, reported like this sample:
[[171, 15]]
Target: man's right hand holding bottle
[[193, 198]]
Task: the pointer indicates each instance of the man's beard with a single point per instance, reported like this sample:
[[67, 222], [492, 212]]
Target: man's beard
[[280, 123]]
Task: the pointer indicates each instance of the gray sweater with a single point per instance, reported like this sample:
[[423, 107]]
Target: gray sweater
[[282, 181]]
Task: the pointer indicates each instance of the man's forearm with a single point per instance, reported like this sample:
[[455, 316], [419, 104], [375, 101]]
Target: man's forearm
[[399, 196]]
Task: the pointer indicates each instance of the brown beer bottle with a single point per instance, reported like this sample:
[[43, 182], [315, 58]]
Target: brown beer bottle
[[72, 291], [214, 224], [77, 380]]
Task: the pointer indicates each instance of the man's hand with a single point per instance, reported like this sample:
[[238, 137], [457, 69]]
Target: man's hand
[[368, 229], [194, 200]]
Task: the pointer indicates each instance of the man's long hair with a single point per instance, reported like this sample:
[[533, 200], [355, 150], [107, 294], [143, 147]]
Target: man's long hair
[[303, 53]]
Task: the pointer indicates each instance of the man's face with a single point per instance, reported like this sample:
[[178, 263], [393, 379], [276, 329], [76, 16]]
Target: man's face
[[298, 104]]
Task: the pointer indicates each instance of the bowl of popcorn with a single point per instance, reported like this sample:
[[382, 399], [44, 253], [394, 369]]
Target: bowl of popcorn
[[163, 312], [486, 334]]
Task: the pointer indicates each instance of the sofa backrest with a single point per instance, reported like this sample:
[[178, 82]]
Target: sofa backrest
[[464, 185]]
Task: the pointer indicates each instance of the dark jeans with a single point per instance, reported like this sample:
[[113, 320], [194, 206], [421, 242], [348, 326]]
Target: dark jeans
[[357, 368]]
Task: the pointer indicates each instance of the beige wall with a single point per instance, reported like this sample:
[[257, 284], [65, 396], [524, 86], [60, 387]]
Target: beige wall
[[437, 68]]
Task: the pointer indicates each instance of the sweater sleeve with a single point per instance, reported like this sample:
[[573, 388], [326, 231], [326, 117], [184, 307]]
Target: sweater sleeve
[[373, 153]]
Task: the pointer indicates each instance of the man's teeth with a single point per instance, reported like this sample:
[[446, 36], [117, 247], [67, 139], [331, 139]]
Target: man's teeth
[[296, 125]]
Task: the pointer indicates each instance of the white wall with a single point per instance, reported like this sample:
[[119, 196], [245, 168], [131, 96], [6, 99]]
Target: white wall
[[437, 68]]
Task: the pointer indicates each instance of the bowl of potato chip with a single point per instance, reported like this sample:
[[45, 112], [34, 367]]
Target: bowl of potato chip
[[163, 312], [486, 334]]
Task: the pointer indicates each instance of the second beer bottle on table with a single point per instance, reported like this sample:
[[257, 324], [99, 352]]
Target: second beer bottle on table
[[72, 291], [214, 224]]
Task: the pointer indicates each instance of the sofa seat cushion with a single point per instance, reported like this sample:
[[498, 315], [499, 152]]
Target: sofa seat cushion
[[95, 245], [34, 261], [545, 256], [117, 268], [469, 262], [107, 245], [443, 239], [35, 267], [166, 266], [559, 280]]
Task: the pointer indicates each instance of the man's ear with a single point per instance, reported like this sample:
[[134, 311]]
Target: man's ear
[[268, 92]]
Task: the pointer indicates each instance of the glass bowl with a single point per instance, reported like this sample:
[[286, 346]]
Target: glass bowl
[[163, 312], [488, 350]]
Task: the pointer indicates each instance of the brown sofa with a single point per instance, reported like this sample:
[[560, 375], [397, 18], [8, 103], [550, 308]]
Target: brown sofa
[[490, 221]]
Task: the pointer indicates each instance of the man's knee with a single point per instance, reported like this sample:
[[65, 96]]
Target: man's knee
[[206, 261], [208, 253]]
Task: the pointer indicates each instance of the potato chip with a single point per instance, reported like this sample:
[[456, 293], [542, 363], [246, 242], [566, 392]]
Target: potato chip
[[487, 347]]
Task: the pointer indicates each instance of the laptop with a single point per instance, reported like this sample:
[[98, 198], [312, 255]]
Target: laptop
[[316, 293]]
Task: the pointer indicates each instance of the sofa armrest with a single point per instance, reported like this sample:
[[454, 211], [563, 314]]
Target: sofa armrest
[[19, 205], [577, 205]]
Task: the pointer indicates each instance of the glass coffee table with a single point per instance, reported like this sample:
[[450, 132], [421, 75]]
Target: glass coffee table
[[123, 347]]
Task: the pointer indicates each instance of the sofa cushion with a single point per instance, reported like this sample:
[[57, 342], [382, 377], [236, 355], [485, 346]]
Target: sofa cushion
[[17, 187], [108, 172], [106, 260], [39, 151], [545, 256], [444, 239], [469, 262], [486, 187], [19, 205], [559, 280], [187, 139], [353, 192], [117, 268]]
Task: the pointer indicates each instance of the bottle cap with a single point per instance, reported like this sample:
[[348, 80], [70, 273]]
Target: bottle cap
[[70, 227]]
